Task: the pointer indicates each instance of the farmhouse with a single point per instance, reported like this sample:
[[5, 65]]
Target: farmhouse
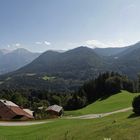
[[11, 111], [55, 110]]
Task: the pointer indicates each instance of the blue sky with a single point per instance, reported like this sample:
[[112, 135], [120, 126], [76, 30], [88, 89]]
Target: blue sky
[[39, 25]]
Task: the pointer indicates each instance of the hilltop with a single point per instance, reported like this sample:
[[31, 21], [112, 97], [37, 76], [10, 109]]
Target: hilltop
[[68, 70], [13, 60]]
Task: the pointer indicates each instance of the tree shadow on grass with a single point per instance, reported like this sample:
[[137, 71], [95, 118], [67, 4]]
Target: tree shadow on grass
[[133, 115], [104, 98], [107, 96]]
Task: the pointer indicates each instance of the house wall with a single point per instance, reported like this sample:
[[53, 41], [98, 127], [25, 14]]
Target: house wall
[[5, 112], [51, 112]]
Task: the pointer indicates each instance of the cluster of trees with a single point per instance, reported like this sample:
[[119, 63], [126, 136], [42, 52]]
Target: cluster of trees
[[103, 86], [136, 105], [136, 100], [34, 99]]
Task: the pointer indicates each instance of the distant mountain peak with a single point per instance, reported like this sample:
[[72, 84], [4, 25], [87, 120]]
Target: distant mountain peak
[[4, 51], [15, 59], [21, 50], [81, 49]]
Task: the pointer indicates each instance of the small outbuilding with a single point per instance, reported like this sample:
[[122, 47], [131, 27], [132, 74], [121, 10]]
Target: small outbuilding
[[55, 110], [11, 111]]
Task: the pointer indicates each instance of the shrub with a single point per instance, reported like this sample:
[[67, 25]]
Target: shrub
[[136, 105]]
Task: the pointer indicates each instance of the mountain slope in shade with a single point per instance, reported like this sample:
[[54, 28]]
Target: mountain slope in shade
[[1, 53], [68, 70], [128, 62], [57, 71], [129, 50], [110, 51], [4, 51], [75, 63], [15, 59]]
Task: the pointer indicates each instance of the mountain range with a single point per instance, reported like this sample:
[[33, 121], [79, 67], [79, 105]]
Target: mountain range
[[13, 60], [63, 71]]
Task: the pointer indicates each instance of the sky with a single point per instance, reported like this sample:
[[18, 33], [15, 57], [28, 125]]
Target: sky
[[40, 25]]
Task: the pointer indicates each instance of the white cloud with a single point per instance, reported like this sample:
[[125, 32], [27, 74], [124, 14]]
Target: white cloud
[[106, 44], [13, 46], [96, 43], [8, 46], [17, 44], [47, 43], [99, 44], [43, 43]]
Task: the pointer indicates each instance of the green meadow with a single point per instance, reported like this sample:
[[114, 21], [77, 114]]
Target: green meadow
[[112, 103], [120, 126]]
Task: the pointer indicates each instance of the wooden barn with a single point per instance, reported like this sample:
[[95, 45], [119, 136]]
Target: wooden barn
[[11, 111], [55, 110]]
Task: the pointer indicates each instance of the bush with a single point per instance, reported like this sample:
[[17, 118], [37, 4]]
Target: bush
[[136, 105]]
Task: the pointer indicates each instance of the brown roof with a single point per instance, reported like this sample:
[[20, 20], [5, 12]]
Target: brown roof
[[19, 111], [9, 110], [55, 108], [8, 103]]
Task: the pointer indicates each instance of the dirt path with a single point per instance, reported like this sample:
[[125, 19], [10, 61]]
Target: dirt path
[[92, 116], [89, 116], [4, 123]]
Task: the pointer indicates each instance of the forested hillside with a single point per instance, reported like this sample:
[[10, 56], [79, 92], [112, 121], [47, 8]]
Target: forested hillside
[[66, 71]]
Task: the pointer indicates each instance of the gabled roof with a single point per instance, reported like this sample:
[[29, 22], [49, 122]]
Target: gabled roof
[[19, 111], [55, 108], [10, 109], [8, 103], [28, 111]]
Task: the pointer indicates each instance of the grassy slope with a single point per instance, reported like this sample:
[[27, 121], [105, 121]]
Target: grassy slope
[[95, 129], [113, 103], [123, 129]]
